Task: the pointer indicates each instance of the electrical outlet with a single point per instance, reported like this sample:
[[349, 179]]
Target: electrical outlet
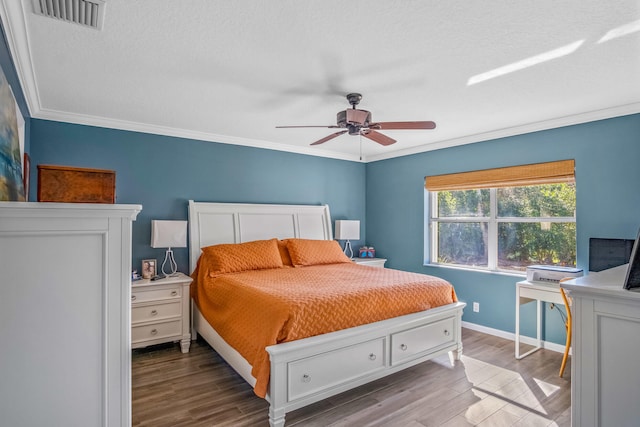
[[476, 307]]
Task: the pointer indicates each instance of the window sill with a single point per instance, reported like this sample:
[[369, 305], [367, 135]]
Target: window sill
[[518, 274]]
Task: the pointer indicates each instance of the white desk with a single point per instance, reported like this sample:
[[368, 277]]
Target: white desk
[[534, 291]]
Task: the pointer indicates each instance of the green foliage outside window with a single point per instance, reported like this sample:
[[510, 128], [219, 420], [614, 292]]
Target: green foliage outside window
[[534, 225]]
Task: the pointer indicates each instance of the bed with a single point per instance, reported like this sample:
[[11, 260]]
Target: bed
[[307, 370]]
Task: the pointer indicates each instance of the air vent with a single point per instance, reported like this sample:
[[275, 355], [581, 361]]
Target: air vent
[[89, 13]]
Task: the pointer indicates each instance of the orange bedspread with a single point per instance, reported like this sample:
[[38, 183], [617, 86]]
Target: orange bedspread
[[255, 309]]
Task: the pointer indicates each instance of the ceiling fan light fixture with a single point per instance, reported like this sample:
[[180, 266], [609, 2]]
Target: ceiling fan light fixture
[[358, 122], [353, 117]]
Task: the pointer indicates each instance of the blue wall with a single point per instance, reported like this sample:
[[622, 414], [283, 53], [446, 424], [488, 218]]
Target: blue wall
[[607, 155], [162, 173]]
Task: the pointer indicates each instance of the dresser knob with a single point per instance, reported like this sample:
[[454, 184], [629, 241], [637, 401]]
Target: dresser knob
[[372, 356], [154, 332], [447, 333], [133, 297], [174, 293], [154, 312], [306, 378], [403, 347]]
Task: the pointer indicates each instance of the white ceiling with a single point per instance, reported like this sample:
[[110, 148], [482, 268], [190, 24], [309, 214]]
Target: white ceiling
[[230, 71]]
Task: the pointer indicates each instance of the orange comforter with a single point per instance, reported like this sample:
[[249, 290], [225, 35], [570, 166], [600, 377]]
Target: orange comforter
[[255, 309]]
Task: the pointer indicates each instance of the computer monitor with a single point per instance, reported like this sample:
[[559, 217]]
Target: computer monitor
[[632, 280], [608, 253]]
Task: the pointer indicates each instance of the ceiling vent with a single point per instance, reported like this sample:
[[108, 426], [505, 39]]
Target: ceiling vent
[[89, 13]]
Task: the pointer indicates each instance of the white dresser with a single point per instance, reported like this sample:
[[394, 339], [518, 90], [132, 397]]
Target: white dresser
[[605, 380], [64, 314], [160, 311], [373, 262]]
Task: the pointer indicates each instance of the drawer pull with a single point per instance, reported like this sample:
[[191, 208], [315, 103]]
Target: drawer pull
[[306, 378], [446, 333], [154, 332], [174, 293], [403, 347], [133, 297], [372, 356], [154, 312]]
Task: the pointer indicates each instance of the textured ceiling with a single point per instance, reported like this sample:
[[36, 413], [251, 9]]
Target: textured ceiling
[[230, 71]]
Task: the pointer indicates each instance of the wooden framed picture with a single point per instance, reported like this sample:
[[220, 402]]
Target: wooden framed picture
[[148, 268]]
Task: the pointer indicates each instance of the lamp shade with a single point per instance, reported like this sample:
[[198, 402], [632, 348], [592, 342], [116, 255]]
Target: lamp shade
[[168, 234], [347, 230]]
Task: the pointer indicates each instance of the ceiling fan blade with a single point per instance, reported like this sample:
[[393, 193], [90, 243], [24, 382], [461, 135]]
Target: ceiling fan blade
[[327, 138], [402, 125], [377, 137], [330, 127]]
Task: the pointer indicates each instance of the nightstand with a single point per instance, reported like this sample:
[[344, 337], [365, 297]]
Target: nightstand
[[160, 311], [373, 262]]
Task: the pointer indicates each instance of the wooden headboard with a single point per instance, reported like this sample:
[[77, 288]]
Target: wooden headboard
[[215, 223]]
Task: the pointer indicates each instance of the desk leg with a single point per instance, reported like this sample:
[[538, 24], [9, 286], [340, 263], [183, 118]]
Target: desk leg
[[518, 323], [538, 326]]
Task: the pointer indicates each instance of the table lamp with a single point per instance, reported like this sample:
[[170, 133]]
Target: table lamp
[[348, 230], [169, 234]]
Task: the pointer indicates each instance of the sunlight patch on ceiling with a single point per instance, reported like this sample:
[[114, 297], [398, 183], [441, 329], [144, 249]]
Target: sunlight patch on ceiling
[[525, 63], [623, 30]]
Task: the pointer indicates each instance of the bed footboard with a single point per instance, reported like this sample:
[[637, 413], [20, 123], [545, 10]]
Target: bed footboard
[[312, 369]]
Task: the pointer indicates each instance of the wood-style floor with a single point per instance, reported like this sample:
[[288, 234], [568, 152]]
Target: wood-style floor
[[488, 387]]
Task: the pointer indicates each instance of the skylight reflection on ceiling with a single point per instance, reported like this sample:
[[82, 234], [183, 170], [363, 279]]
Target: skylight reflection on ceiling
[[620, 31], [526, 63]]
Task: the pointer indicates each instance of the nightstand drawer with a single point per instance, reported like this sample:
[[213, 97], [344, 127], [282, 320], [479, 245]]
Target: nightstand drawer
[[155, 312], [155, 331], [156, 295]]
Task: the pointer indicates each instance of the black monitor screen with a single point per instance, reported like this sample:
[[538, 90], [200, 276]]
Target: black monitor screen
[[608, 253], [633, 272]]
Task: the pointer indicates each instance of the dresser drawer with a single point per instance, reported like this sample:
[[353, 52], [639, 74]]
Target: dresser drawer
[[317, 373], [153, 312], [416, 342], [156, 331], [156, 294]]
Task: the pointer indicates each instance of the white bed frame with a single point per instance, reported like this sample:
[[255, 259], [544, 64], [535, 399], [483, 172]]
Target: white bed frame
[[311, 369]]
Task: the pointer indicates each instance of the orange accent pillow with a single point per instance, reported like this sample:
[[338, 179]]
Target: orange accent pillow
[[235, 257], [284, 253], [315, 252]]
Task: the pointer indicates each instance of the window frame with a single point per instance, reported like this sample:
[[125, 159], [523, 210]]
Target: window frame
[[493, 221]]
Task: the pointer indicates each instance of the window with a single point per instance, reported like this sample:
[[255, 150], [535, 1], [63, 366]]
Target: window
[[504, 219]]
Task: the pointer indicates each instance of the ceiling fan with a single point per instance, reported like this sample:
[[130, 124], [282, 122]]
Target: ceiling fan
[[358, 122]]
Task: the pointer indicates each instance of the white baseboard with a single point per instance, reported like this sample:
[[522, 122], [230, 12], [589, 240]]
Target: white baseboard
[[510, 336]]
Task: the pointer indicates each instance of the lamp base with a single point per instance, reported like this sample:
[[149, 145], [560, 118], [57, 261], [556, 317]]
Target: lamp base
[[173, 267], [347, 249]]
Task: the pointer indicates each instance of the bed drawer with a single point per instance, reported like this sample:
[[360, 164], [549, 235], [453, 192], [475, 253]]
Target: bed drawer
[[317, 373], [155, 312], [415, 342], [156, 294], [156, 331]]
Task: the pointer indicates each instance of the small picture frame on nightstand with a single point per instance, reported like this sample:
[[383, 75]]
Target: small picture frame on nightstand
[[148, 268]]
